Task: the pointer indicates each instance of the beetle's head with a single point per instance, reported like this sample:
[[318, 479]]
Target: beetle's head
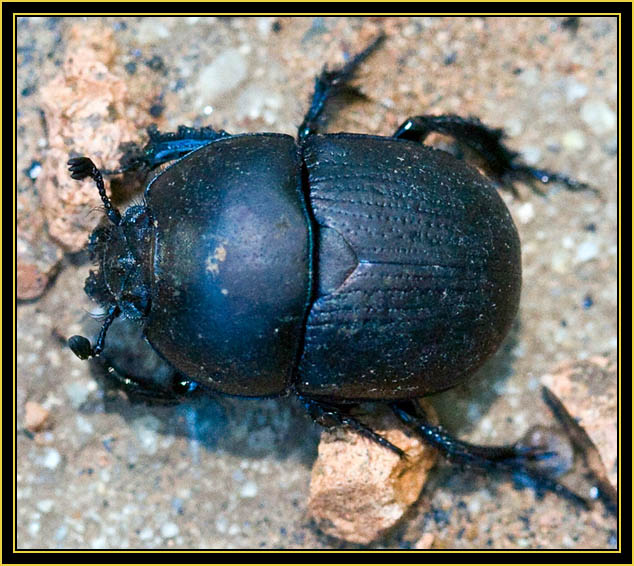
[[123, 253]]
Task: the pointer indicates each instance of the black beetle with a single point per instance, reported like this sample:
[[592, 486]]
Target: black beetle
[[340, 267]]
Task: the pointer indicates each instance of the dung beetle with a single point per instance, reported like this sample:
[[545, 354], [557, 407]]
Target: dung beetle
[[341, 268]]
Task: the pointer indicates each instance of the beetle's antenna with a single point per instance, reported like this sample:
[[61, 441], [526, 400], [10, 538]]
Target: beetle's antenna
[[80, 345], [82, 167]]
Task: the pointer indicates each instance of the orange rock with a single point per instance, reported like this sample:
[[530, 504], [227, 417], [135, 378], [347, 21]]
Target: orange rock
[[360, 489], [87, 109], [36, 417]]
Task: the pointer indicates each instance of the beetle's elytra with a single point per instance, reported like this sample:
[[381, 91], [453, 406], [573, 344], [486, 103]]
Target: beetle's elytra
[[340, 267]]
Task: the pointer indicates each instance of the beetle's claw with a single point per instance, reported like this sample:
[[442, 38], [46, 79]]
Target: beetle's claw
[[81, 167], [533, 453], [80, 346]]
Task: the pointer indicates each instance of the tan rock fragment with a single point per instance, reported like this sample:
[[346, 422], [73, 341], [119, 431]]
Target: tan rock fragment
[[88, 111], [36, 417], [360, 489]]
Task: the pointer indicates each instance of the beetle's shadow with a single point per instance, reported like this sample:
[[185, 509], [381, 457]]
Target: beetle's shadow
[[256, 428], [461, 408], [248, 427]]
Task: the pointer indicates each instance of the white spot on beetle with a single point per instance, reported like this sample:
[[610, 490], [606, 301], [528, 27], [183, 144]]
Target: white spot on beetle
[[213, 261]]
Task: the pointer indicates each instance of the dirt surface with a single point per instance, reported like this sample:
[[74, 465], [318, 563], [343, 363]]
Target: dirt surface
[[229, 473]]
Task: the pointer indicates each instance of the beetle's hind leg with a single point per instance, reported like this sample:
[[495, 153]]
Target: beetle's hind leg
[[331, 83], [503, 163], [329, 415], [518, 460]]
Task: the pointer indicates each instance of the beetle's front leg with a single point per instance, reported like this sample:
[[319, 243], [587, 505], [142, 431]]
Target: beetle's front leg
[[503, 163], [329, 415], [166, 146], [518, 460]]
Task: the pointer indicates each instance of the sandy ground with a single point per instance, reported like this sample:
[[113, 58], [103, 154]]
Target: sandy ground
[[235, 473]]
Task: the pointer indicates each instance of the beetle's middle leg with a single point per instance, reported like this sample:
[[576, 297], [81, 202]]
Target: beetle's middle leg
[[329, 415], [502, 162], [519, 461], [176, 389], [331, 83]]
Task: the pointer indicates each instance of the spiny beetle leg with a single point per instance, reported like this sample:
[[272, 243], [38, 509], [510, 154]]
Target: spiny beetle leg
[[146, 389], [164, 146], [507, 458], [331, 83], [503, 162], [328, 415], [167, 146]]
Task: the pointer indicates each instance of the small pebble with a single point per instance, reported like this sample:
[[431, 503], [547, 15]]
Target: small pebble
[[224, 73], [77, 393], [84, 426], [575, 90], [573, 140], [529, 77], [169, 530], [221, 524], [567, 242], [45, 505], [425, 542], [146, 429], [249, 489], [559, 261], [599, 116], [36, 417], [513, 127], [150, 31], [60, 533], [532, 154], [51, 458], [525, 212], [34, 170], [587, 250]]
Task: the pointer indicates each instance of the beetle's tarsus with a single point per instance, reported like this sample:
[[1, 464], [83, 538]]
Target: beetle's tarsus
[[503, 163], [517, 460], [517, 170]]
